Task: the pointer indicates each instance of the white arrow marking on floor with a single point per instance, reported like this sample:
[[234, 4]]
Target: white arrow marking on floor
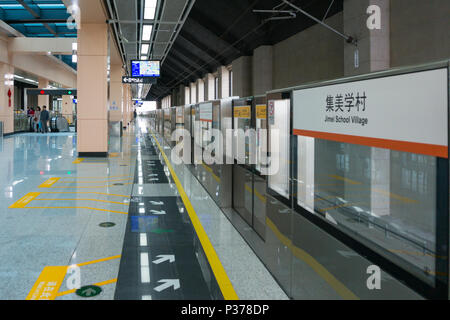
[[164, 258], [154, 179], [155, 203], [167, 283], [158, 212], [347, 254], [153, 175]]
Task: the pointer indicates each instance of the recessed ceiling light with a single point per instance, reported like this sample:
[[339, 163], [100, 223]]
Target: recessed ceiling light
[[144, 49], [150, 9], [147, 32]]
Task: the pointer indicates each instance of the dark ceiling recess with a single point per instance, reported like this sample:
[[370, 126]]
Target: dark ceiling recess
[[217, 32]]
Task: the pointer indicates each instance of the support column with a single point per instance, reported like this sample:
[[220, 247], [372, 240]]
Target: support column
[[116, 93], [374, 55], [242, 76], [224, 82], [92, 83], [209, 87], [262, 73], [43, 100], [6, 111], [200, 90], [182, 95], [193, 92], [373, 45], [67, 108]]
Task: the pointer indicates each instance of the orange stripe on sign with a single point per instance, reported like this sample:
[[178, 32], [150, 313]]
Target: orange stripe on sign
[[206, 120], [411, 147]]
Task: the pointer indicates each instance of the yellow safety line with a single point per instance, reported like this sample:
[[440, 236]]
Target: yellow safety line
[[211, 171], [98, 181], [107, 177], [22, 202], [99, 284], [95, 200], [344, 179], [338, 286], [48, 284], [88, 208], [339, 206], [93, 187], [221, 276], [77, 161], [97, 261], [100, 193], [49, 183]]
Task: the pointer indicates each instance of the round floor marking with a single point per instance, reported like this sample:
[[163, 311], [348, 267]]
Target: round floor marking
[[107, 224], [88, 291]]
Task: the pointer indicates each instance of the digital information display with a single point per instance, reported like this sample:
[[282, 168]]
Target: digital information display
[[140, 68]]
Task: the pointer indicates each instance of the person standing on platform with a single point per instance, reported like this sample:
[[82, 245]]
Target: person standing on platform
[[37, 119], [44, 119]]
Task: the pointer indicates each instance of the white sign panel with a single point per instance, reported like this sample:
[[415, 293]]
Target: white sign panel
[[405, 112], [206, 112]]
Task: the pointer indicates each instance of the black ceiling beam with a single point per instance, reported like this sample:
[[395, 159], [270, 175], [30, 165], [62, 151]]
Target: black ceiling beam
[[37, 15], [184, 56], [210, 54], [187, 68], [211, 39]]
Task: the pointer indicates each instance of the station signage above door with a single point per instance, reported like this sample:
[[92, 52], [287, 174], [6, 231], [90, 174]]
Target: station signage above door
[[407, 112]]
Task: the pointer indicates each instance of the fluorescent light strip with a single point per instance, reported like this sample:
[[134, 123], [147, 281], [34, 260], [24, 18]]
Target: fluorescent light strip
[[147, 32], [150, 9], [144, 49]]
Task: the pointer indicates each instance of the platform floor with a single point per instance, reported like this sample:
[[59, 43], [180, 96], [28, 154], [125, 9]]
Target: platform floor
[[132, 226]]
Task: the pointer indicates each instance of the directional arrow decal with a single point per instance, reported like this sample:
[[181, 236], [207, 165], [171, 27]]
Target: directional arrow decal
[[167, 283], [164, 258], [154, 179], [157, 203], [153, 175], [162, 212]]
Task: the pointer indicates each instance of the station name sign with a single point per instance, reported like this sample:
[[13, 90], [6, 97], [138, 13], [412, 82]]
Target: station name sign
[[405, 112], [138, 80]]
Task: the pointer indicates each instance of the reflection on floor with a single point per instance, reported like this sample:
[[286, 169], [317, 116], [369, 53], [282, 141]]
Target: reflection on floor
[[115, 227]]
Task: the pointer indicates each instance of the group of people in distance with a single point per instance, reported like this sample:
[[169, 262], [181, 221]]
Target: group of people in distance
[[39, 118]]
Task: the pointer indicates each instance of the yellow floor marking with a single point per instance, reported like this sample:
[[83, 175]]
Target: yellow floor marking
[[48, 284], [93, 187], [98, 181], [95, 200], [100, 193], [338, 206], [396, 196], [99, 284], [22, 202], [386, 193], [417, 253], [77, 161], [211, 171], [88, 208], [257, 194], [344, 179], [50, 182], [221, 276], [106, 177], [97, 261], [338, 286]]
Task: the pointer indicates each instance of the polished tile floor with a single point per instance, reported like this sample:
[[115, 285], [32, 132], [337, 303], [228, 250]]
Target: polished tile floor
[[52, 210]]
